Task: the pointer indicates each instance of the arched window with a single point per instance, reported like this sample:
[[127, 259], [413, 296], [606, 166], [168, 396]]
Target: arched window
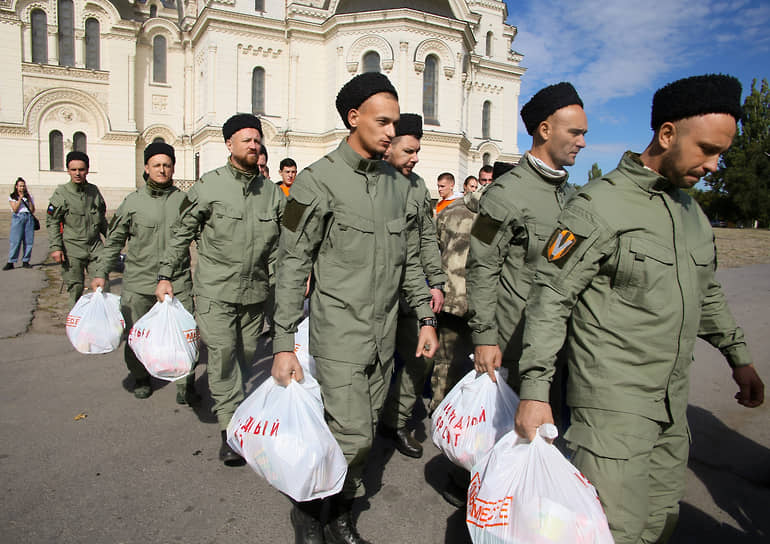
[[371, 61], [39, 22], [159, 59], [430, 90], [79, 142], [486, 159], [489, 44], [66, 33], [153, 11], [55, 150], [259, 5], [486, 115], [158, 140], [92, 44], [258, 91]]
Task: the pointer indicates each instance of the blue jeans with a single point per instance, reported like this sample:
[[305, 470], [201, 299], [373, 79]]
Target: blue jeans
[[22, 231]]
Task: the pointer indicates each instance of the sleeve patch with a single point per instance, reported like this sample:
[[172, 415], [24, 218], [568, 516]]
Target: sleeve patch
[[561, 244], [50, 209], [485, 228], [186, 202], [293, 214]]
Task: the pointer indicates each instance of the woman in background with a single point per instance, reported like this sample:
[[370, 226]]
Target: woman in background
[[22, 225]]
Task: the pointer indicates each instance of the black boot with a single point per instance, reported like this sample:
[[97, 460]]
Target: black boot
[[341, 529], [306, 520], [405, 442], [228, 456]]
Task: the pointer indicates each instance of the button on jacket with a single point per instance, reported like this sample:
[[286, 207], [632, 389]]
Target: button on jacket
[[347, 220], [236, 218], [634, 290], [80, 208], [517, 214], [143, 221]]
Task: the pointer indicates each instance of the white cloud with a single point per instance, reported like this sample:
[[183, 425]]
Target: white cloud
[[620, 48]]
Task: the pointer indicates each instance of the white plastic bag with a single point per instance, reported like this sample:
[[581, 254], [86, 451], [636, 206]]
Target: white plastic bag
[[301, 342], [165, 340], [473, 415], [95, 324], [527, 492], [282, 434]]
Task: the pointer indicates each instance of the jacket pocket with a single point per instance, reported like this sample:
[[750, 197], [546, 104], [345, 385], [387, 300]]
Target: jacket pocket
[[397, 239], [350, 240], [645, 276]]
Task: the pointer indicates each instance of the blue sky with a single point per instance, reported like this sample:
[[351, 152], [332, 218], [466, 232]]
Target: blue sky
[[618, 52]]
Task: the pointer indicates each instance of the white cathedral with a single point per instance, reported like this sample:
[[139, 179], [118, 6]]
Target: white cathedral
[[110, 76]]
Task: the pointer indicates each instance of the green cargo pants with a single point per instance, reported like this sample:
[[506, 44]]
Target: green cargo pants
[[452, 360], [133, 306], [353, 395], [73, 272], [410, 378], [638, 468], [230, 332]]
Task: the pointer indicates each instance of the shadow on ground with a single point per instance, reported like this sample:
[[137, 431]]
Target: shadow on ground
[[736, 472]]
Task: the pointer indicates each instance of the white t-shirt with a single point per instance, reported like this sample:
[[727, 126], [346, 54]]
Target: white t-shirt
[[22, 208]]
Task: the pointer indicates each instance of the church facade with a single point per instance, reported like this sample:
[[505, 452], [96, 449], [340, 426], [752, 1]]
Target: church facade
[[111, 76]]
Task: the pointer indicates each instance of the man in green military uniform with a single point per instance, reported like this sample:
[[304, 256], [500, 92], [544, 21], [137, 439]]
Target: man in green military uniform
[[516, 214], [346, 221], [629, 272], [403, 155], [75, 222], [143, 223], [235, 215]]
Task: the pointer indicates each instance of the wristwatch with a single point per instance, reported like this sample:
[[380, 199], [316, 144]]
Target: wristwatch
[[429, 322], [439, 286], [161, 277]]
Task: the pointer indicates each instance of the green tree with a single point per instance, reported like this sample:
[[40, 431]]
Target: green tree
[[595, 172], [742, 182]]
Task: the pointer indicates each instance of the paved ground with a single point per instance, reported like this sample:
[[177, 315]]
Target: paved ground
[[147, 471]]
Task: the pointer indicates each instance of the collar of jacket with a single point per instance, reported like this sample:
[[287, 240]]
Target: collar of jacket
[[241, 175], [547, 174], [77, 187], [356, 161], [648, 179], [159, 191]]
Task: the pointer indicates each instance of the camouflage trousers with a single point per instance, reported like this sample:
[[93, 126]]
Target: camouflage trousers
[[451, 361]]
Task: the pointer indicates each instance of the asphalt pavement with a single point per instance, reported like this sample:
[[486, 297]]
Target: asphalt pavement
[[83, 461]]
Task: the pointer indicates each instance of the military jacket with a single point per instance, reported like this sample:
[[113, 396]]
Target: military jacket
[[346, 220], [517, 214], [143, 224], [454, 234], [80, 210], [235, 217], [630, 274], [421, 212]]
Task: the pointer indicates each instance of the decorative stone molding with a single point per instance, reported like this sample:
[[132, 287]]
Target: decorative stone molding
[[159, 103], [27, 68], [259, 50], [438, 48], [14, 131], [487, 87], [128, 138], [43, 102], [370, 42], [157, 131], [515, 56]]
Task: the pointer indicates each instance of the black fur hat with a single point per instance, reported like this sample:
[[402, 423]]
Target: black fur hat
[[239, 121], [159, 148], [697, 95], [546, 101], [357, 90], [411, 124]]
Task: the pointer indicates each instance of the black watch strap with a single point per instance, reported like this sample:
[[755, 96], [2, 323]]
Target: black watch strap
[[161, 277], [429, 322]]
